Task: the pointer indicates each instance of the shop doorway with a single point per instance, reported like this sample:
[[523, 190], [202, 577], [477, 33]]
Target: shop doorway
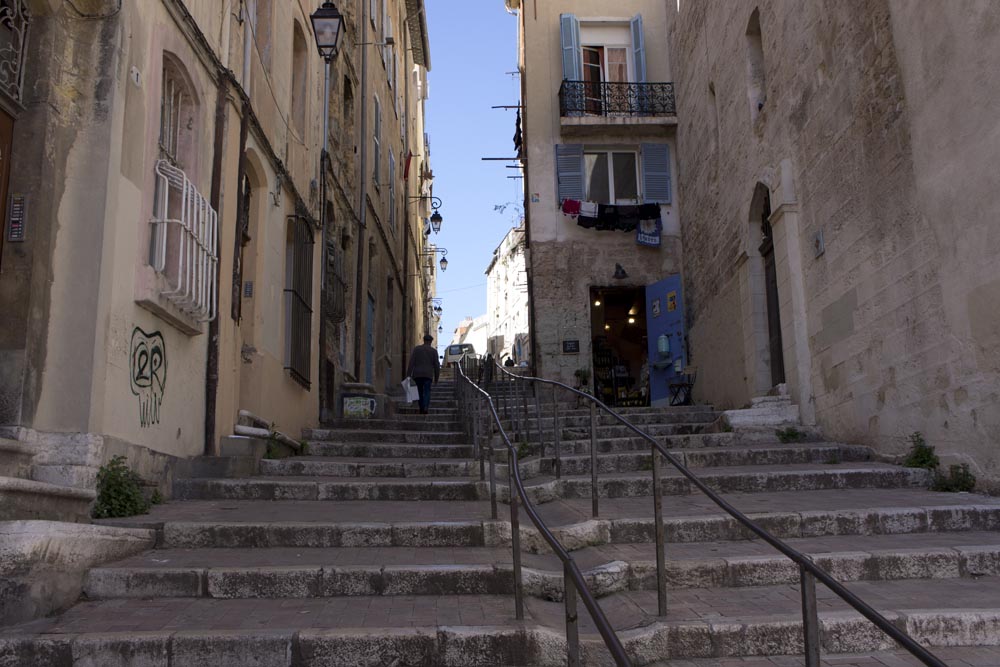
[[619, 342]]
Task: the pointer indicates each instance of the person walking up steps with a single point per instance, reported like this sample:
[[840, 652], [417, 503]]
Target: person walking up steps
[[424, 368]]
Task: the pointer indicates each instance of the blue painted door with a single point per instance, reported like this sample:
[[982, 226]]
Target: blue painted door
[[664, 317], [370, 341]]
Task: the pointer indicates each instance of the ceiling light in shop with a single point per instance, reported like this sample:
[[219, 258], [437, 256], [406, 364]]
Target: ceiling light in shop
[[631, 320], [597, 303]]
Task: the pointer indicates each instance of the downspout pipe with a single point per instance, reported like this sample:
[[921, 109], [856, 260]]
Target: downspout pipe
[[362, 198], [215, 197], [324, 160]]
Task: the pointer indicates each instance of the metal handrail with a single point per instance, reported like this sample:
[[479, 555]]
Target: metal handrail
[[809, 571], [571, 572]]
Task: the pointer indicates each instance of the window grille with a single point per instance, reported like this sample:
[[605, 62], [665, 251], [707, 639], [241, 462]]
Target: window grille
[[392, 192], [377, 143], [14, 21], [184, 235], [298, 300]]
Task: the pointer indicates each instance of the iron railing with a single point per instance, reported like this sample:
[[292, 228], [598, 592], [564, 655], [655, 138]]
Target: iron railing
[[607, 98], [809, 573], [477, 402]]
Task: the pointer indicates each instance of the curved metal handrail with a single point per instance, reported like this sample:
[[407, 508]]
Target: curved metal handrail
[[804, 562], [611, 640]]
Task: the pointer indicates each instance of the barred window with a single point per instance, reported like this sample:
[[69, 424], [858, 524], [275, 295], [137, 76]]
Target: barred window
[[298, 299]]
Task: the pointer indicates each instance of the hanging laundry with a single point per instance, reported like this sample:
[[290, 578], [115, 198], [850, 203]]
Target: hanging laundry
[[649, 211], [607, 216], [589, 209], [571, 207], [587, 221], [648, 232], [628, 218]]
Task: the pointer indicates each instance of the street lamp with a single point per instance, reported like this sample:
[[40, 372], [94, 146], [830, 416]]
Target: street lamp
[[443, 251], [436, 218], [328, 27]]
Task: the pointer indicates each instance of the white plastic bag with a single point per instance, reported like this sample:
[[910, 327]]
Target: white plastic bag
[[410, 389]]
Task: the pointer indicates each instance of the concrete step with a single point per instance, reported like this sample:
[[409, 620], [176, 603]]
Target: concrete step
[[223, 466], [956, 656], [390, 436], [323, 488], [479, 630], [333, 572], [15, 459], [433, 412], [582, 420], [419, 423], [632, 443], [384, 450], [28, 499], [331, 466], [756, 455], [621, 431]]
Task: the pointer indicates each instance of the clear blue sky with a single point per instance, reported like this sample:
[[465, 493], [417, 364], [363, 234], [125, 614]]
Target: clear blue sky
[[473, 44]]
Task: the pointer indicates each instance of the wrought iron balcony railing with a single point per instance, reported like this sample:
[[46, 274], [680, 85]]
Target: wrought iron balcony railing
[[590, 98]]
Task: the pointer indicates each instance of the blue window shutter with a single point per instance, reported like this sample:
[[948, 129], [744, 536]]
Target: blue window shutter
[[639, 49], [569, 171], [656, 173], [572, 57]]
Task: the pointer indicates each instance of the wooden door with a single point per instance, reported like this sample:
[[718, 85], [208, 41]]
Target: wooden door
[[773, 315]]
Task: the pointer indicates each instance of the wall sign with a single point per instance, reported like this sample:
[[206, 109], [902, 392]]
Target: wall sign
[[18, 215], [571, 347]]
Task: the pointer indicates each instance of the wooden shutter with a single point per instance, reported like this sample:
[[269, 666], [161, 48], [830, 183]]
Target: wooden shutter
[[638, 49], [569, 171], [656, 173], [572, 58]]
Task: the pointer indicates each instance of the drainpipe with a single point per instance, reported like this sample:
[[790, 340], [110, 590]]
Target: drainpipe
[[324, 158], [363, 212], [212, 363]]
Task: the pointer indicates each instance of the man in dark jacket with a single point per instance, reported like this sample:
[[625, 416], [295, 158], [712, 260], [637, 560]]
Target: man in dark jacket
[[424, 369]]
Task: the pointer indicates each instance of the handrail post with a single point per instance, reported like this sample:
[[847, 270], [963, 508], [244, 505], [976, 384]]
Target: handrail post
[[538, 421], [485, 436], [493, 482], [525, 385], [556, 432], [475, 425], [810, 617], [516, 388], [593, 458], [660, 535], [515, 539], [572, 628]]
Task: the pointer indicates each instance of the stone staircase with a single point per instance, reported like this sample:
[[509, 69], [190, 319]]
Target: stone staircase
[[377, 547], [22, 497]]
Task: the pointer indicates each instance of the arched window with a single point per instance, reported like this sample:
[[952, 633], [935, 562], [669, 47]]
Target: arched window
[[756, 79], [178, 114], [299, 76]]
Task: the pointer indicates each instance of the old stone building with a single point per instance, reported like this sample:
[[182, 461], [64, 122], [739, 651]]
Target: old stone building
[[837, 178], [162, 266], [599, 134], [507, 300]]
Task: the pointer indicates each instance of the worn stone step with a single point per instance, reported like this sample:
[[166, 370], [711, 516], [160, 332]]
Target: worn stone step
[[758, 455], [620, 430], [320, 488], [263, 523], [680, 441], [739, 479], [383, 450], [317, 466], [964, 656], [319, 572], [449, 630], [389, 436], [15, 458], [434, 411], [28, 499], [576, 420], [399, 423], [695, 518]]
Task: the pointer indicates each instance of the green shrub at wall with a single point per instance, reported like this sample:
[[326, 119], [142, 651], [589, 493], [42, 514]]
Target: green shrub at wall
[[119, 491]]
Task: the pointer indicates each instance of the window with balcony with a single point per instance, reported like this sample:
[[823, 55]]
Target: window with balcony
[[604, 70], [184, 226]]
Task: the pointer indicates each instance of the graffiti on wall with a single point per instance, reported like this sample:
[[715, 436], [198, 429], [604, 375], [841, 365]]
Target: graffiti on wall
[[148, 373]]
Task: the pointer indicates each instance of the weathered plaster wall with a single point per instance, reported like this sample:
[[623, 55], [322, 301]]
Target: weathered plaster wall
[[877, 118]]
